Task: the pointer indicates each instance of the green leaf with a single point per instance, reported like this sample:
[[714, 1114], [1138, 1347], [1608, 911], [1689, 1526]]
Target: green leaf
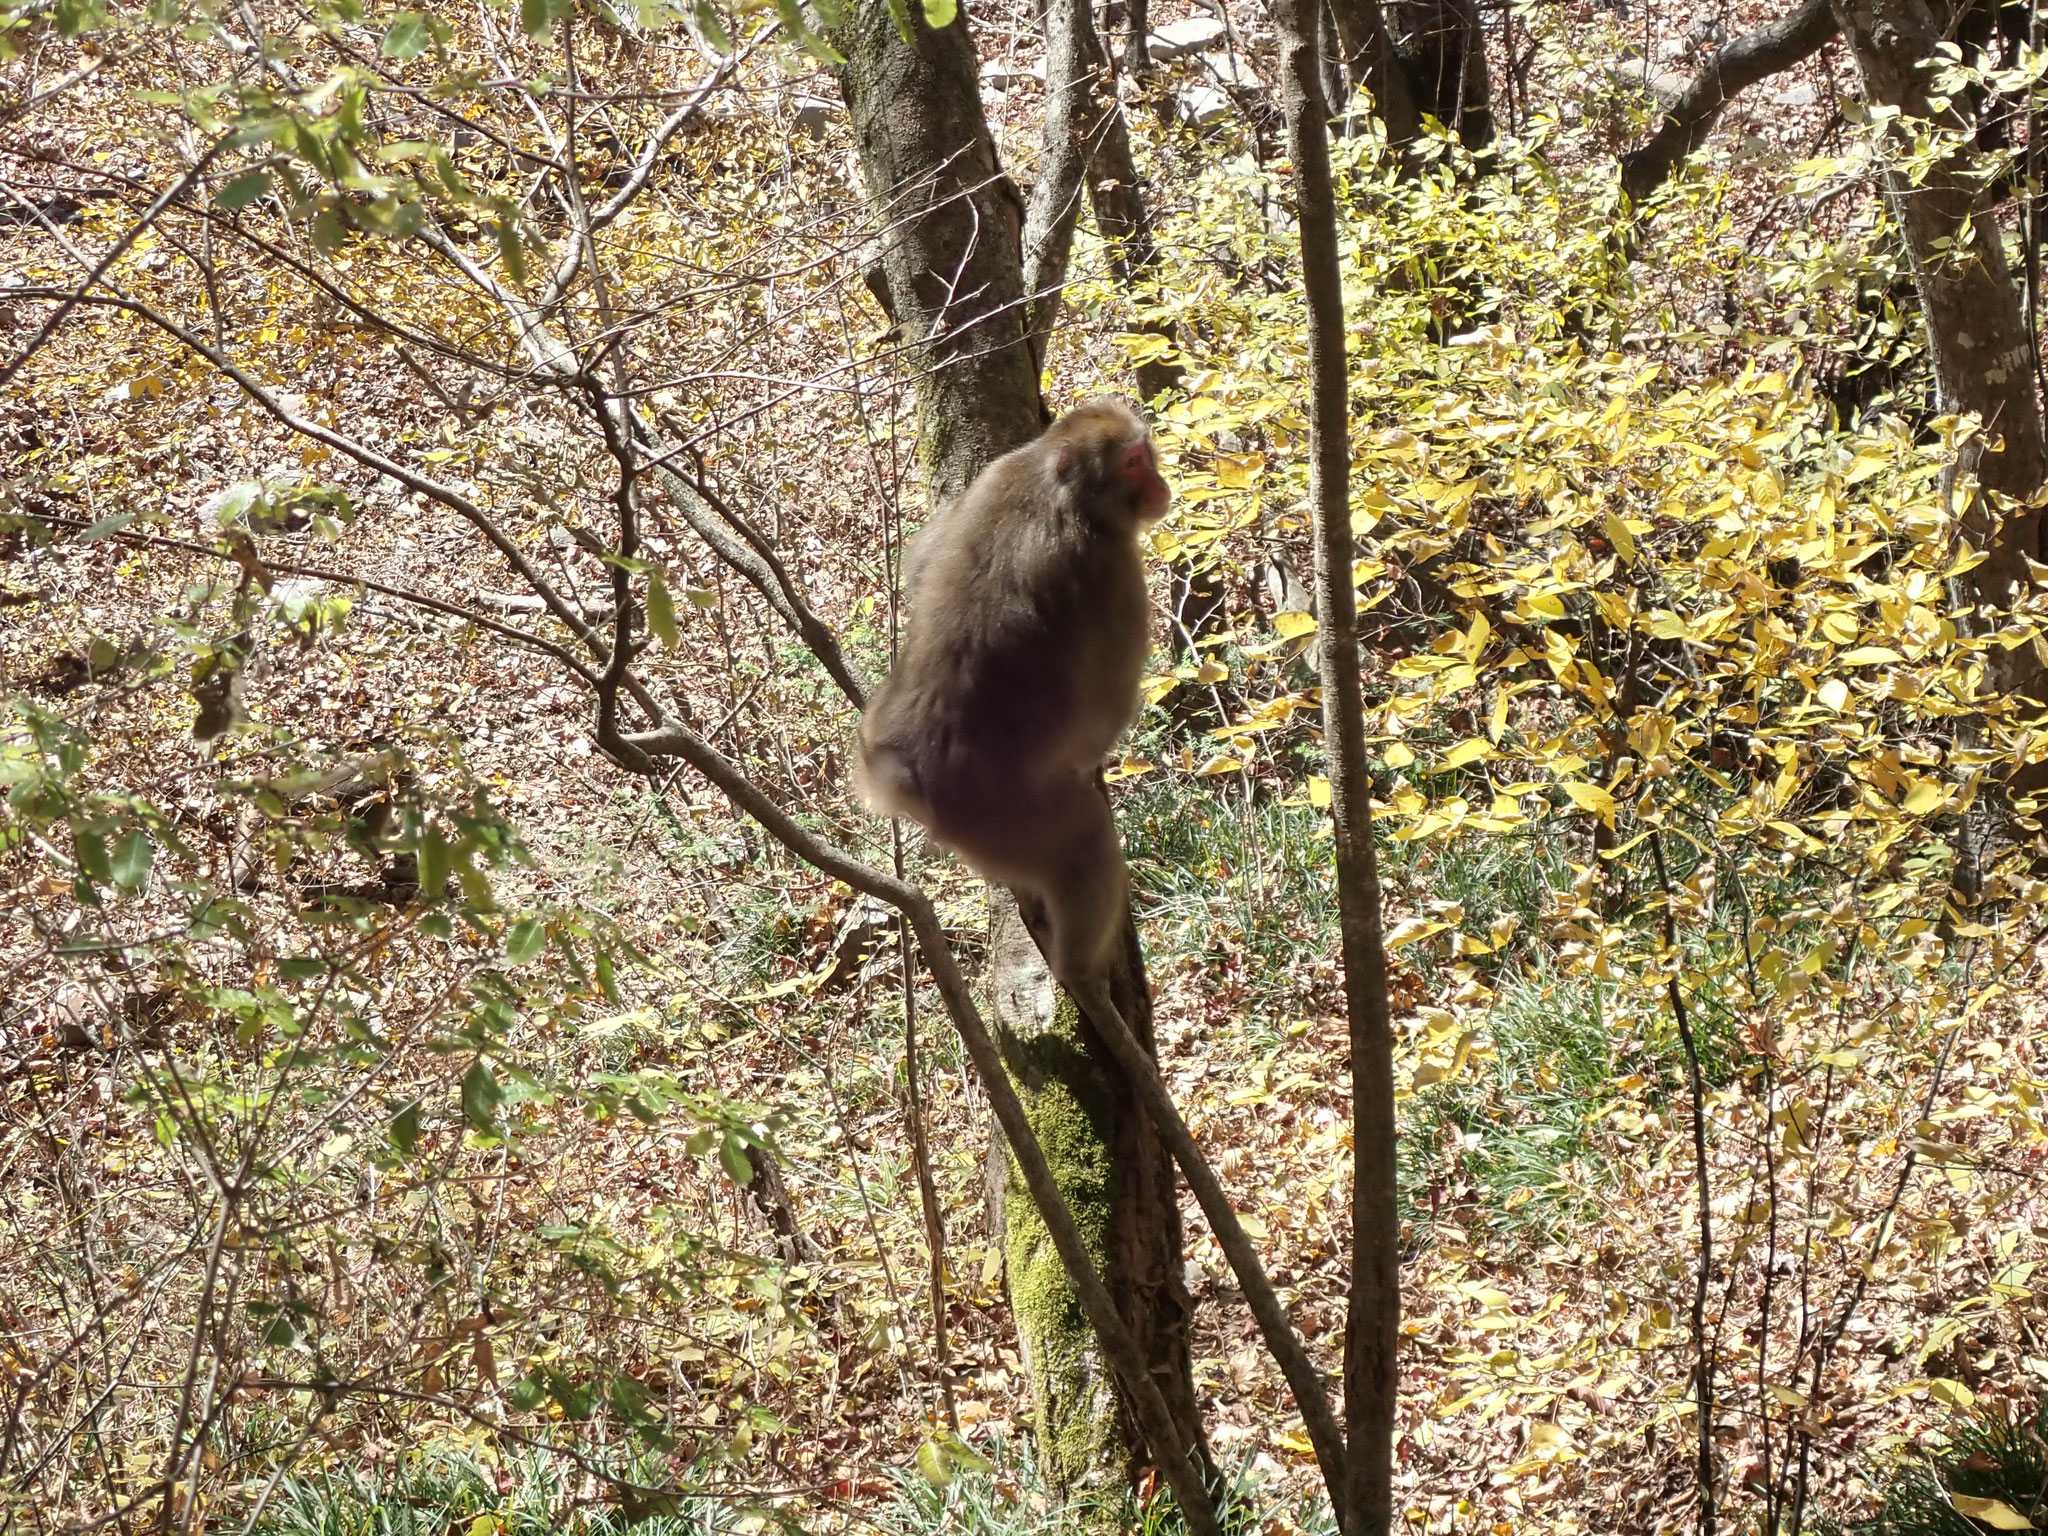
[[712, 26], [481, 1095], [732, 1155], [132, 856], [526, 941], [243, 190], [511, 250], [407, 37], [104, 527], [330, 231], [529, 1392], [93, 862], [661, 608], [792, 17], [939, 14], [435, 858], [76, 16], [405, 1128], [934, 1465]]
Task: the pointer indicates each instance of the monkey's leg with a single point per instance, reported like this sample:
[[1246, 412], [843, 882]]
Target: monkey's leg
[[1085, 887]]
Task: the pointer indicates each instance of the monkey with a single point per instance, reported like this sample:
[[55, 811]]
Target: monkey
[[1029, 626]]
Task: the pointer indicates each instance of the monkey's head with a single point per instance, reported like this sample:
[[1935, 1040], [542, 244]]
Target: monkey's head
[[1102, 455]]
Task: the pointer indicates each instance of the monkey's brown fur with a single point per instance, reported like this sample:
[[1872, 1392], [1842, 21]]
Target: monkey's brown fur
[[1028, 631]]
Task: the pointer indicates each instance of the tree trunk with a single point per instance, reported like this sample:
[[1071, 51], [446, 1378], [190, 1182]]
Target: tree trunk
[[1373, 1321], [1120, 1181], [1444, 50], [1371, 60], [950, 248], [952, 264], [1088, 142], [1977, 329]]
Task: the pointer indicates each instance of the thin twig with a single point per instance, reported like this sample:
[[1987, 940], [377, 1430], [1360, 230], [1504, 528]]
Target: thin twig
[[1703, 1363]]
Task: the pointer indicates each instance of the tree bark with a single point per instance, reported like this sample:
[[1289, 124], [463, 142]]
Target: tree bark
[[1372, 1331], [1734, 68], [1113, 1167], [951, 253], [1371, 60], [1443, 52], [1076, 119], [1977, 328], [950, 245], [1088, 141]]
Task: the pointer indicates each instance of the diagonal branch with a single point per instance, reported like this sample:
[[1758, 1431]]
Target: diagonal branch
[[66, 302], [1734, 68], [753, 556], [1311, 1391], [1149, 1403], [570, 615]]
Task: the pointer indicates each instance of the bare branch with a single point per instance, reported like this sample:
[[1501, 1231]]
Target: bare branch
[[753, 556], [1110, 1329], [570, 614], [1733, 68], [341, 579], [66, 302]]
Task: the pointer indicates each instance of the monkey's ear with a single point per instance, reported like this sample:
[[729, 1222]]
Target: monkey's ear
[[1064, 461]]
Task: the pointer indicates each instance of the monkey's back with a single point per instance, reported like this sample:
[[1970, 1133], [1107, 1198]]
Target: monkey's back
[[1027, 638]]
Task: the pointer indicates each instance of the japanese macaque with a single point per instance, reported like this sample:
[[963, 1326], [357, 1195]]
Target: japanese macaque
[[1028, 632]]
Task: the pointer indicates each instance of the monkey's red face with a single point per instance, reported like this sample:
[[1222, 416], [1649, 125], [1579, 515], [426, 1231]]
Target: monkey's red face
[[1139, 474]]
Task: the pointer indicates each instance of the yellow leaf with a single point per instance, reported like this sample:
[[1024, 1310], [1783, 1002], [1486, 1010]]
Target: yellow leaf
[[1996, 1513], [1465, 752], [1475, 639], [1399, 443], [145, 386], [1399, 755], [1835, 694], [1211, 671], [1294, 623], [1543, 606], [1926, 796], [1839, 627], [1222, 762], [1867, 656], [1408, 931], [1318, 790], [1952, 1393], [1234, 471], [1619, 536], [1590, 797]]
